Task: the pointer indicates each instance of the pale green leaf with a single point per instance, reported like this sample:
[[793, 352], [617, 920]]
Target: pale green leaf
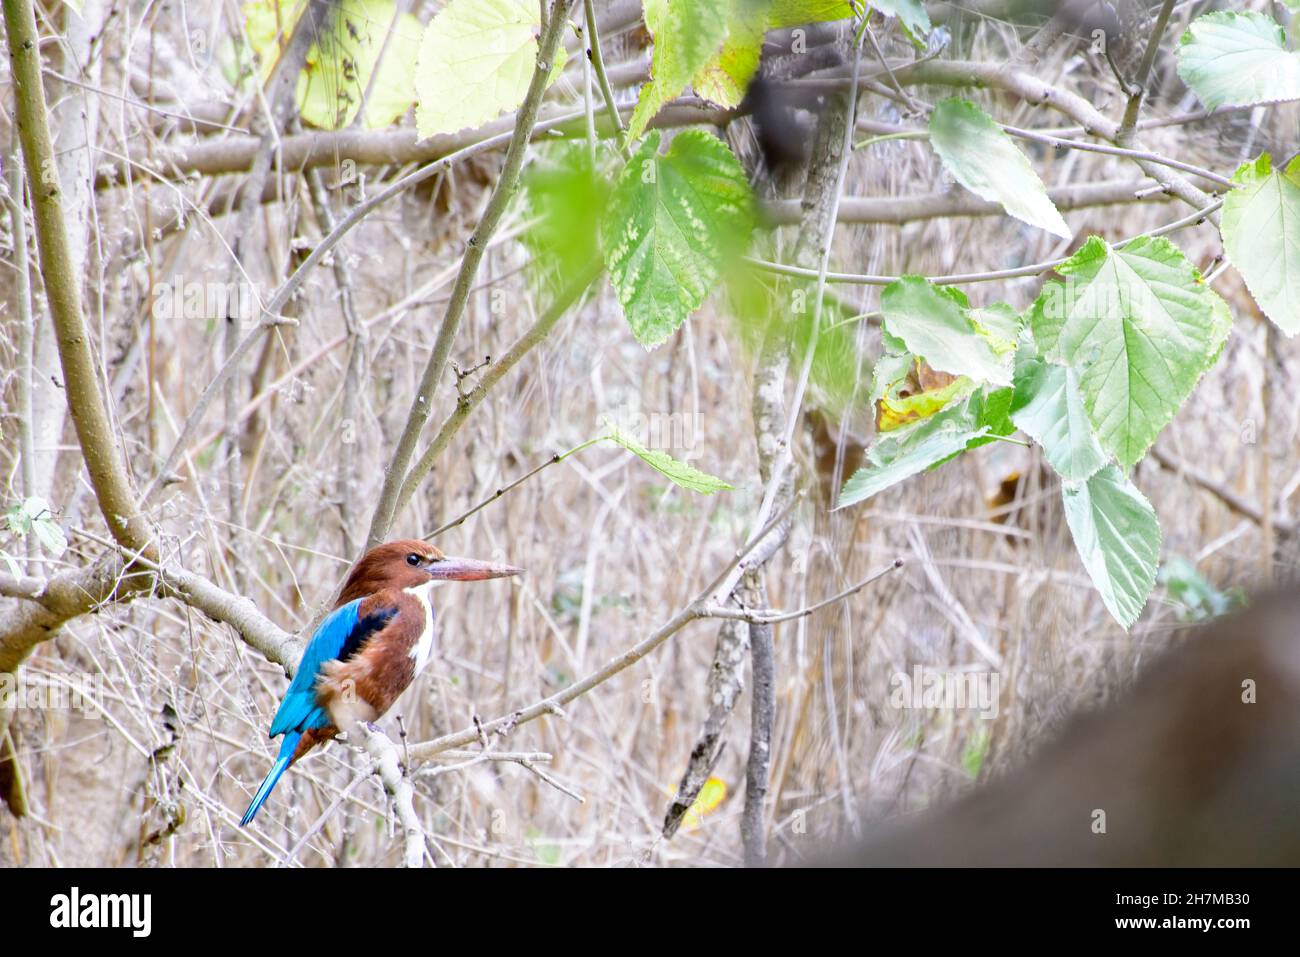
[[671, 223], [476, 60], [935, 324], [680, 473], [798, 13], [1117, 535], [983, 158], [725, 78], [341, 68], [1261, 234], [911, 13], [1140, 327], [50, 535], [687, 33], [999, 324], [17, 520], [927, 452], [1049, 409], [1238, 59], [565, 195]]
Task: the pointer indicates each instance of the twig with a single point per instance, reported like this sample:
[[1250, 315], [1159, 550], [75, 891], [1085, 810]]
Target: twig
[[776, 617], [400, 791], [1243, 507], [602, 77], [1137, 90], [395, 475], [554, 704], [1034, 269], [470, 401], [290, 286], [555, 459]]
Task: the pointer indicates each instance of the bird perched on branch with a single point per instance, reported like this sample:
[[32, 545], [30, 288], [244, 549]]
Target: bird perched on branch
[[370, 648]]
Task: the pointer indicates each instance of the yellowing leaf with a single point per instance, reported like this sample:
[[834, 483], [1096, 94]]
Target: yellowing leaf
[[725, 78], [797, 13], [895, 412], [687, 33], [345, 68], [711, 796], [476, 60]]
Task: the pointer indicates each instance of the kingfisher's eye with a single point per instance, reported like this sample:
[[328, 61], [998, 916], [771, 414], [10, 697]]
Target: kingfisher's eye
[[412, 559]]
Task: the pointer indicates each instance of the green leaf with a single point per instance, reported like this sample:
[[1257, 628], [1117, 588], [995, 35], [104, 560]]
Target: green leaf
[[929, 451], [798, 13], [1049, 409], [50, 535], [14, 568], [476, 60], [934, 323], [993, 413], [725, 78], [976, 752], [1140, 327], [999, 324], [33, 516], [672, 221], [1195, 598], [1261, 234], [981, 157], [565, 198], [341, 67], [687, 33], [911, 13], [1117, 535], [1238, 59], [687, 476]]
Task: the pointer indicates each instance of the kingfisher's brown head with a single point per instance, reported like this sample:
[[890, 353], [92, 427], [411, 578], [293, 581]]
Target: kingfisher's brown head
[[409, 562]]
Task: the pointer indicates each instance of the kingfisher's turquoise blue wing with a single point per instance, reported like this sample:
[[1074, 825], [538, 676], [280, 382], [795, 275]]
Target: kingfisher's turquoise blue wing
[[336, 638]]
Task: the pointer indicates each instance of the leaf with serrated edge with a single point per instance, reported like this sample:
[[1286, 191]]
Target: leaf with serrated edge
[[1238, 59], [931, 450], [50, 535], [797, 13], [983, 158], [1140, 328], [1048, 408], [1117, 534], [687, 33], [1261, 234], [725, 78], [671, 222], [911, 13], [687, 476], [476, 60], [934, 323]]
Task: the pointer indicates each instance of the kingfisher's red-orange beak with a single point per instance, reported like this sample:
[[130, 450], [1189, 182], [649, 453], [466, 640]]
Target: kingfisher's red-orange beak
[[450, 568]]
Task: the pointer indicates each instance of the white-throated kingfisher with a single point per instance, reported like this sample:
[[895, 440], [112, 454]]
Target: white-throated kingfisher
[[368, 650]]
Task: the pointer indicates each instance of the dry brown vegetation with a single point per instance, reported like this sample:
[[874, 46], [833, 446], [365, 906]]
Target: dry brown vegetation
[[611, 550]]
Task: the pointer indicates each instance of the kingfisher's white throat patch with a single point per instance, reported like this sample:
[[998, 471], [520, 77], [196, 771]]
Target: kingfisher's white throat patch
[[423, 648]]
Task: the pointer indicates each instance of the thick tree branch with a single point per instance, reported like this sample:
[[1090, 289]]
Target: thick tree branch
[[95, 434]]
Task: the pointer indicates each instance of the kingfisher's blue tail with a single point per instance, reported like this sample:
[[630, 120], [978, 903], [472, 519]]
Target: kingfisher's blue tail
[[287, 747]]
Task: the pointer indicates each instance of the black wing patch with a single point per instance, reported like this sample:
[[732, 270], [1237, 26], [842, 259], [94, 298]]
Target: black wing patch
[[366, 626]]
